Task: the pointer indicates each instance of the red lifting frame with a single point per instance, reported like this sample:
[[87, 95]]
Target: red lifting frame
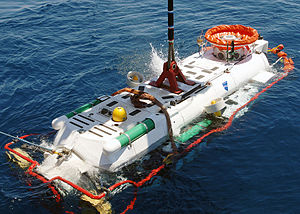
[[172, 74]]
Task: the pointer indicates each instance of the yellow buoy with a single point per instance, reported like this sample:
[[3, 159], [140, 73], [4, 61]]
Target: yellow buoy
[[119, 114]]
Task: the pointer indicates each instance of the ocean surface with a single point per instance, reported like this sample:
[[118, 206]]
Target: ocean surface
[[58, 55]]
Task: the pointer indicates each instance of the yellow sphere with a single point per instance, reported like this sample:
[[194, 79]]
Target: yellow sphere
[[119, 114]]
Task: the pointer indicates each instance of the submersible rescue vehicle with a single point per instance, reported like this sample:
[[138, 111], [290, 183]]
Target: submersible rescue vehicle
[[115, 130]]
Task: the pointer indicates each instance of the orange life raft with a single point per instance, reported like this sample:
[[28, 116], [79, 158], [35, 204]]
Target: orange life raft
[[223, 35]]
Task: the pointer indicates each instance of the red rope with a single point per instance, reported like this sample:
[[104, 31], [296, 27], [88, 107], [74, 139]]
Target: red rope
[[130, 206], [288, 67], [33, 165]]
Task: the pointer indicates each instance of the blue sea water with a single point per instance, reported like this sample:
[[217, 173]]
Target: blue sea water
[[58, 55]]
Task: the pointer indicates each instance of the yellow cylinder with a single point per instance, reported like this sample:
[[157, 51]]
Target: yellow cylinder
[[217, 113]]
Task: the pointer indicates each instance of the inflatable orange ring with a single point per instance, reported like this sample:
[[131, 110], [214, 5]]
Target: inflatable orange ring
[[222, 35]]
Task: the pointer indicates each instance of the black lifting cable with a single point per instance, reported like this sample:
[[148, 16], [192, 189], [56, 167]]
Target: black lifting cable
[[171, 53]]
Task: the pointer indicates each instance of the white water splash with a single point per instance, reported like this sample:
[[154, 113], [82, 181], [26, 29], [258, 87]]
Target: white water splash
[[72, 169], [239, 98], [156, 62]]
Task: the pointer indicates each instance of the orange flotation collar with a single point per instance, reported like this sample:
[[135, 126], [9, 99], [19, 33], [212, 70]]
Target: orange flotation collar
[[244, 35]]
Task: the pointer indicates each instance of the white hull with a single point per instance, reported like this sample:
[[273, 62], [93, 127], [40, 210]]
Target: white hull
[[91, 135]]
